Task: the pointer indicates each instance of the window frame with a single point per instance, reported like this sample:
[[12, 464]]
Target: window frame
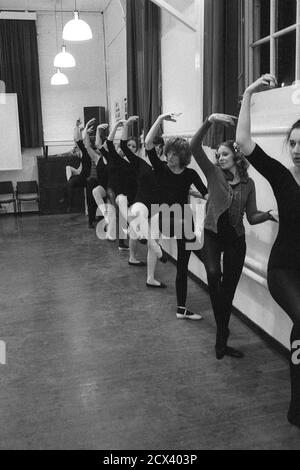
[[250, 44]]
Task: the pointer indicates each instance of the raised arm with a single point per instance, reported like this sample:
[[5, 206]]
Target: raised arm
[[77, 134], [132, 157], [149, 141], [243, 133], [197, 141], [95, 157], [99, 139]]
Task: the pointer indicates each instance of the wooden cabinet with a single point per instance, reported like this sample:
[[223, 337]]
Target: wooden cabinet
[[52, 183]]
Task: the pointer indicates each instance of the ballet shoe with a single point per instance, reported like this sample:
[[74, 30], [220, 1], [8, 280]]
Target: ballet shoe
[[159, 286], [228, 351], [140, 264], [294, 420]]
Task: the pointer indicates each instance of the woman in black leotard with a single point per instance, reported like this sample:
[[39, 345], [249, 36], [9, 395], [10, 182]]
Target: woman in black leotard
[[231, 194], [146, 196], [124, 184], [284, 262], [78, 177], [98, 184], [174, 181]]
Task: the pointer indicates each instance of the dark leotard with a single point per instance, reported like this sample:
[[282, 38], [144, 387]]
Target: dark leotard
[[121, 179], [174, 188], [286, 249], [147, 188]]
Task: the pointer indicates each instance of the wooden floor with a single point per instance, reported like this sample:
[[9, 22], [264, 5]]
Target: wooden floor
[[97, 361]]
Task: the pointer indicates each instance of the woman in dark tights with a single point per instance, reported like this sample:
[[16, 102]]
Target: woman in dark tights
[[78, 178], [146, 197], [284, 262], [231, 194], [174, 181]]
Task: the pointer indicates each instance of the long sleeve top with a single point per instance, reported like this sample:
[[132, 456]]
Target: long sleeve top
[[236, 200], [147, 188], [286, 249], [174, 188], [119, 168], [86, 160]]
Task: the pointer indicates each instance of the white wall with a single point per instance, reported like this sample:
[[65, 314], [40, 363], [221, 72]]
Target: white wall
[[115, 32], [61, 106], [182, 64]]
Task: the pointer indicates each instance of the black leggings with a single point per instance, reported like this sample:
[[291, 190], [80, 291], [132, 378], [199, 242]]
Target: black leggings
[[222, 286], [76, 181], [284, 285], [183, 258], [184, 228]]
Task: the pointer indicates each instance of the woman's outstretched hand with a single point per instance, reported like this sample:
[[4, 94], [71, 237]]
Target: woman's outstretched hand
[[224, 119], [169, 117], [265, 82]]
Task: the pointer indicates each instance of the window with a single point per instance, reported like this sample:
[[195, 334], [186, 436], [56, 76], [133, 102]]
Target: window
[[271, 29]]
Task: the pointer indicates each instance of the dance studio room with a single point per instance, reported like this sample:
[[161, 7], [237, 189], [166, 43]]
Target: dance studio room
[[150, 266]]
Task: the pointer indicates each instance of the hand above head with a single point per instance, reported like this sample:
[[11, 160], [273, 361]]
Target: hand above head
[[131, 120], [103, 126], [90, 122], [78, 122], [119, 124], [224, 119], [265, 82], [169, 117]]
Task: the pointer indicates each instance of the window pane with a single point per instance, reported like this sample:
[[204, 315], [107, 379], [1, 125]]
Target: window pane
[[285, 58], [286, 13], [261, 60], [261, 19]]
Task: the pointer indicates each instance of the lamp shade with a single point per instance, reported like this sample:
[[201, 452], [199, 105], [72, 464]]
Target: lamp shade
[[59, 78], [64, 59], [77, 30]]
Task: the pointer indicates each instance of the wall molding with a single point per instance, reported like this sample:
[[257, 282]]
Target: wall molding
[[17, 15]]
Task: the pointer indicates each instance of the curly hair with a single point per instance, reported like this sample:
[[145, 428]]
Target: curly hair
[[181, 148], [240, 161]]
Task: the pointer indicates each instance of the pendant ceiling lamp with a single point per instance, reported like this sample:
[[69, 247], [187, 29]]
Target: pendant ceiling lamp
[[77, 29], [63, 59], [59, 78]]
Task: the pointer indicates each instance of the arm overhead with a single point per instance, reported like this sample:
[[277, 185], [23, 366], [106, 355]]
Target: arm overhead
[[156, 127], [149, 141], [243, 133], [197, 141], [92, 153], [99, 139]]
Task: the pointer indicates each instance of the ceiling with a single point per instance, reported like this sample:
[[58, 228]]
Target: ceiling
[[68, 5]]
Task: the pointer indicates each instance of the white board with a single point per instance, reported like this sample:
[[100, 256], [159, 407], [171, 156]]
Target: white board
[[10, 144]]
